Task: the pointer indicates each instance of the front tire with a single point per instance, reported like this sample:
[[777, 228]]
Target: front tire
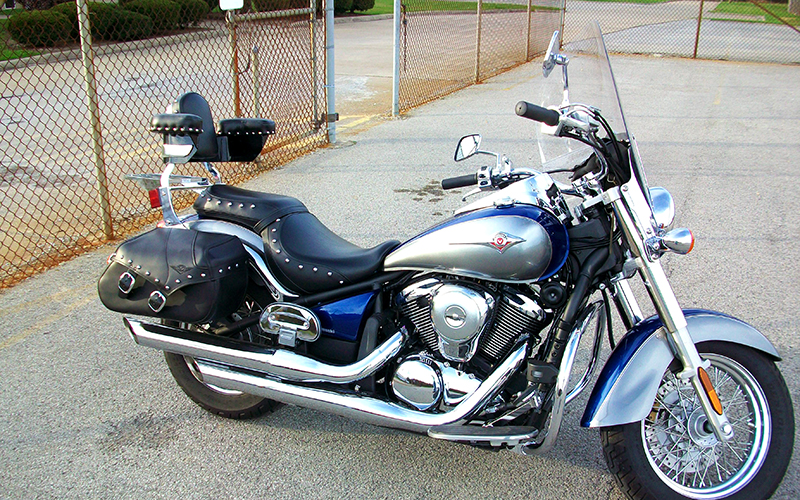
[[671, 455]]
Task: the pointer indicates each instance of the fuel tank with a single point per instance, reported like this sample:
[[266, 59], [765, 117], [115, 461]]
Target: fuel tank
[[516, 244]]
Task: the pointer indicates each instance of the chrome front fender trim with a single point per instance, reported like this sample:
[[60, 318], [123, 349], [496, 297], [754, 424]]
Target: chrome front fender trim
[[627, 385], [279, 363], [365, 409]]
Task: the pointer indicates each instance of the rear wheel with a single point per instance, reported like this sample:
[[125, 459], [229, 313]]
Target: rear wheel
[[672, 454], [223, 402]]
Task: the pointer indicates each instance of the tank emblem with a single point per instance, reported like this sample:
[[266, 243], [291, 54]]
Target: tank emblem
[[501, 241]]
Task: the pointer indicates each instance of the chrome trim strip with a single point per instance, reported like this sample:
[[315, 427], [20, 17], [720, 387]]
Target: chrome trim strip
[[252, 243], [366, 409], [279, 363], [592, 366]]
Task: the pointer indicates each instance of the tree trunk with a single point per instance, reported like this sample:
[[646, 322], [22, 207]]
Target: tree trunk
[[794, 7]]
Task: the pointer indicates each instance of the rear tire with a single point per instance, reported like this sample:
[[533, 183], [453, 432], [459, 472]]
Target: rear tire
[[671, 455], [228, 404]]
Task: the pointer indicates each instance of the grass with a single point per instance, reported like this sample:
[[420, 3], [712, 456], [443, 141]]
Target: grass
[[387, 6], [748, 9]]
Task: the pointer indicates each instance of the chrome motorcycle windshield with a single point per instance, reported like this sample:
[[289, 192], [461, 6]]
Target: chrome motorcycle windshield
[[590, 81]]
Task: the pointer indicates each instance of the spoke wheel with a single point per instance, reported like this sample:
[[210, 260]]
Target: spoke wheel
[[673, 452]]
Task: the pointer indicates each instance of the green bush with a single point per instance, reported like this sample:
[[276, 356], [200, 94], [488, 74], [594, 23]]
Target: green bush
[[192, 11], [70, 10], [270, 5], [123, 25], [40, 28], [342, 6], [105, 18], [164, 13], [362, 5]]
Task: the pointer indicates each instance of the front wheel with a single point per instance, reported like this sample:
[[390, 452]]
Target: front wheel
[[671, 454]]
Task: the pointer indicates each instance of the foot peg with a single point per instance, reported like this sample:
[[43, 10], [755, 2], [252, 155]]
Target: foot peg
[[511, 435]]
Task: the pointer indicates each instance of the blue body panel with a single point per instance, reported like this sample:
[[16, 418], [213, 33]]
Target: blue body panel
[[343, 319], [626, 387]]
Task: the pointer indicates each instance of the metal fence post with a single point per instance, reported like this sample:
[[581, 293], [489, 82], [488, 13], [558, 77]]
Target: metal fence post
[[478, 45], [697, 36], [312, 28], [257, 85], [528, 34], [330, 74], [87, 57], [230, 20], [561, 30], [396, 60]]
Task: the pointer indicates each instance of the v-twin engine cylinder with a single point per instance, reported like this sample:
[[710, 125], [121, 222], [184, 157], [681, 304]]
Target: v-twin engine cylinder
[[458, 320]]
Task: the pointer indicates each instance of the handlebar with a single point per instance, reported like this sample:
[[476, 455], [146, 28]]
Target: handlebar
[[460, 181], [537, 113]]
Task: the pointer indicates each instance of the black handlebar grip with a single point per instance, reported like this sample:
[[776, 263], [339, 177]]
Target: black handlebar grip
[[460, 181], [538, 113]]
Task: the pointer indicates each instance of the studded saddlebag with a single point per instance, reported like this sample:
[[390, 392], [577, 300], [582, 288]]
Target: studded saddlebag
[[176, 274]]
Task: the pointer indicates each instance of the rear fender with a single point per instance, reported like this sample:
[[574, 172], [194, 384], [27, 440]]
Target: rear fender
[[627, 385]]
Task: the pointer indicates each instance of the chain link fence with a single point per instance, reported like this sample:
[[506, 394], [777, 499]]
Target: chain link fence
[[72, 129], [448, 45], [734, 30]]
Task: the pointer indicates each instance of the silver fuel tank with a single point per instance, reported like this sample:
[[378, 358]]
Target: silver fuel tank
[[516, 244]]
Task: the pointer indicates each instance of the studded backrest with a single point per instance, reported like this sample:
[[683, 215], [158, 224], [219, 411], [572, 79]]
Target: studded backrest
[[194, 103]]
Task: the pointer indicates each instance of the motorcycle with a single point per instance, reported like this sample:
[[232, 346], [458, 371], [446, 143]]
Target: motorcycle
[[469, 331]]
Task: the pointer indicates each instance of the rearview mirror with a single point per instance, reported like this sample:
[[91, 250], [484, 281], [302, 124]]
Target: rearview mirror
[[231, 4], [550, 56], [467, 146]]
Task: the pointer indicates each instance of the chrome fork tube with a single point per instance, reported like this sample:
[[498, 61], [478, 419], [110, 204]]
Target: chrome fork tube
[[670, 312], [626, 303]]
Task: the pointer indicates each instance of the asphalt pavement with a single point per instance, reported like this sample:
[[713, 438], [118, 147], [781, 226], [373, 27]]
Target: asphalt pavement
[[88, 414]]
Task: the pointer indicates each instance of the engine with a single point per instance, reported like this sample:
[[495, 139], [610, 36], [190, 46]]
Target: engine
[[457, 320]]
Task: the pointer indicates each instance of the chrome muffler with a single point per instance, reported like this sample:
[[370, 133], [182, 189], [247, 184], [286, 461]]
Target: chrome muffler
[[359, 407], [278, 363]]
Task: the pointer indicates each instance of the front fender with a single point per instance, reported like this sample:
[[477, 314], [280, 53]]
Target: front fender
[[627, 385]]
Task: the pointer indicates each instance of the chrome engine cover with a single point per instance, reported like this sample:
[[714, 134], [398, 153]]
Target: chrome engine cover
[[459, 316], [424, 383]]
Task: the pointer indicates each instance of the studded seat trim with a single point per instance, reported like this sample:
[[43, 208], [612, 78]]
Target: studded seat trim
[[251, 209], [308, 257]]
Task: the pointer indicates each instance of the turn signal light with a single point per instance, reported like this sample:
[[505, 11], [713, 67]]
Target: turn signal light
[[680, 241]]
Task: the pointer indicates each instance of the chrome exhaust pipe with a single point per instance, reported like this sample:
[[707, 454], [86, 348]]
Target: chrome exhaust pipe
[[279, 363], [363, 408]]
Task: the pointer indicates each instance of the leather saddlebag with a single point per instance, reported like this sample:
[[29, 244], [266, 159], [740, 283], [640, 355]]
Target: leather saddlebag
[[176, 274]]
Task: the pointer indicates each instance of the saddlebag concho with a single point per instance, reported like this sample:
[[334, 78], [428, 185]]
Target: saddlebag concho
[[176, 274]]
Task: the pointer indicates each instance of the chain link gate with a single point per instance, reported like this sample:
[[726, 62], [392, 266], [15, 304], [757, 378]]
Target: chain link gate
[[747, 30], [448, 45], [73, 128]]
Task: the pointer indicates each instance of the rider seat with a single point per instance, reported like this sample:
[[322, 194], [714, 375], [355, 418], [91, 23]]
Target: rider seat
[[303, 254], [309, 258]]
